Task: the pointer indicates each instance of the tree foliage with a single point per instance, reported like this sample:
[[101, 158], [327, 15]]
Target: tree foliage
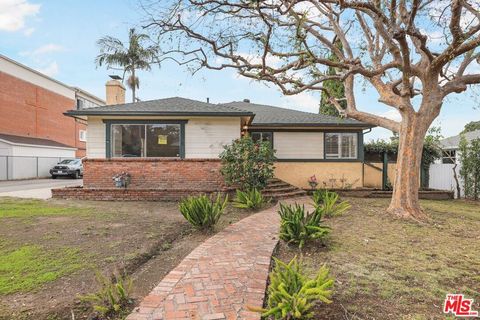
[[248, 164], [470, 170], [334, 90], [471, 126], [136, 55]]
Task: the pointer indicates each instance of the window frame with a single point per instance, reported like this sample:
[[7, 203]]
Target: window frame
[[80, 135], [449, 159], [340, 134], [109, 137], [261, 135]]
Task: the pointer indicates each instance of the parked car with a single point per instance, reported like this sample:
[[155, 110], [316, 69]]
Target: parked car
[[68, 167]]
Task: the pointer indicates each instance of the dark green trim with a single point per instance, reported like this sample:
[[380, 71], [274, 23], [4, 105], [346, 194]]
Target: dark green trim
[[318, 160], [253, 129], [140, 121], [108, 131], [360, 147], [155, 113], [314, 124], [385, 171], [182, 140]]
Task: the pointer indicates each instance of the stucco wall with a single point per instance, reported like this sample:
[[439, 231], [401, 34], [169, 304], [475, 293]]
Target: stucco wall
[[204, 137], [334, 174], [298, 145], [373, 177]]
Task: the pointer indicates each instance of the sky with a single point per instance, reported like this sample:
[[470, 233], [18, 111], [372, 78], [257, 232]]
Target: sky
[[58, 38]]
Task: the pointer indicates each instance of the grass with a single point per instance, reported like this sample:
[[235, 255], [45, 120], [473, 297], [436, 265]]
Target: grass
[[394, 269], [30, 266], [28, 208]]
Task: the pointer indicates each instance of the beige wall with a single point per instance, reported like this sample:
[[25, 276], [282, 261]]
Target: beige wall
[[373, 177], [298, 173], [204, 137], [298, 145], [96, 138]]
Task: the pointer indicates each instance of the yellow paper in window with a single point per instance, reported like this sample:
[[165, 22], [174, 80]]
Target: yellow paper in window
[[162, 139]]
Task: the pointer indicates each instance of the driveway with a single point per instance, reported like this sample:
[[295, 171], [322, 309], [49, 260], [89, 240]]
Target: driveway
[[35, 188]]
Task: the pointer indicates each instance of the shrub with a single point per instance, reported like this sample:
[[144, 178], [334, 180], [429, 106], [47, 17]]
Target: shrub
[[250, 199], [292, 295], [203, 212], [318, 196], [248, 164], [113, 296], [298, 226], [327, 202]]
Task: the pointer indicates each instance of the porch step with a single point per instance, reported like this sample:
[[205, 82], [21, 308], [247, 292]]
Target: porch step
[[279, 189]]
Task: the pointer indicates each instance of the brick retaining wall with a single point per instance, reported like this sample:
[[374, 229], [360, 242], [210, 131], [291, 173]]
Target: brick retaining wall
[[155, 173], [117, 194], [152, 179]]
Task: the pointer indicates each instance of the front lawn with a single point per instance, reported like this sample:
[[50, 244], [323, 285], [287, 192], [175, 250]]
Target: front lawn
[[51, 250], [387, 268]]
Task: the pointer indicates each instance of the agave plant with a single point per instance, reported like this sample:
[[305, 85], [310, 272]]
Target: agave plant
[[331, 206], [298, 225], [203, 212], [250, 199], [292, 295]]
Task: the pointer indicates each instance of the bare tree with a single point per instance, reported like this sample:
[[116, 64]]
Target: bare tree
[[414, 53]]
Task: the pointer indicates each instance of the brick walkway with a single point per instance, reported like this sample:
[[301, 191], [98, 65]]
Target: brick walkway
[[220, 278]]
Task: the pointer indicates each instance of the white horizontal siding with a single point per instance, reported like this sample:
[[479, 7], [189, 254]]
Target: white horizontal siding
[[298, 145], [205, 137], [96, 138]]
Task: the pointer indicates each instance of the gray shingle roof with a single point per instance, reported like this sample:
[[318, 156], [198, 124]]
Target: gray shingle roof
[[266, 115], [175, 106], [32, 141], [453, 142]]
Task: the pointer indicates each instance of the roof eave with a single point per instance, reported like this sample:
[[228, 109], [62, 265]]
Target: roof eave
[[311, 125], [155, 113]]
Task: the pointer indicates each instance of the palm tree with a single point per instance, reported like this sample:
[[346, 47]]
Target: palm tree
[[135, 56]]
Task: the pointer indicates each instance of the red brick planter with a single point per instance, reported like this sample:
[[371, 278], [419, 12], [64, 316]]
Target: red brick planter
[[111, 194], [152, 179]]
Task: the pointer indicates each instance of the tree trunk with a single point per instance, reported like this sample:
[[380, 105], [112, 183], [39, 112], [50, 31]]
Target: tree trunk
[[134, 86], [404, 201], [457, 183]]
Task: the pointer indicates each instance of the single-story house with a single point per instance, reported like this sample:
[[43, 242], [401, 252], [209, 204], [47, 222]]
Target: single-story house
[[172, 145]]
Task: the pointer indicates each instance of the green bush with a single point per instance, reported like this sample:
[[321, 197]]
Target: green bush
[[292, 295], [248, 164], [250, 199], [203, 212], [327, 202], [113, 296], [318, 196], [298, 226]]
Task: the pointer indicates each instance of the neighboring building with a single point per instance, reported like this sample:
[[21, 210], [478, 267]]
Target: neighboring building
[[173, 144], [32, 107], [441, 172], [451, 145]]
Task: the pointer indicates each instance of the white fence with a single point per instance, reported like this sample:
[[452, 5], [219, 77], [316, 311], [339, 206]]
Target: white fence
[[441, 177], [13, 167]]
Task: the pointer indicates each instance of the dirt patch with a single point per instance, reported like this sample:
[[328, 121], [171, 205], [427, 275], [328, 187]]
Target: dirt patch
[[387, 268], [145, 239]]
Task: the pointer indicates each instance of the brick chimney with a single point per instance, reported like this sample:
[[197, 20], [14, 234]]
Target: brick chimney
[[115, 92]]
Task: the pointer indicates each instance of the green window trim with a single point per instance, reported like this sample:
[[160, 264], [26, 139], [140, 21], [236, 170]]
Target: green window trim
[[108, 132]]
